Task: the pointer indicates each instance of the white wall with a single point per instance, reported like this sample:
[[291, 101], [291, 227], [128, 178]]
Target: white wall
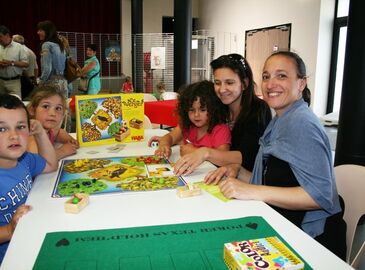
[[153, 11], [311, 34]]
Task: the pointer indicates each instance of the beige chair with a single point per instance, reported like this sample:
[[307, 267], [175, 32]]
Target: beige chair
[[169, 95], [149, 97], [147, 122], [350, 180]]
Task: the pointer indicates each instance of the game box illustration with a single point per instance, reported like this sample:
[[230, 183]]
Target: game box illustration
[[115, 174], [99, 118]]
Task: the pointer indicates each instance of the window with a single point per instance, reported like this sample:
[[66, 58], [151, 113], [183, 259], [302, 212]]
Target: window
[[338, 56]]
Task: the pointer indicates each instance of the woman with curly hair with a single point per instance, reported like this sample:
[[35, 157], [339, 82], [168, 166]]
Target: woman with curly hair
[[248, 116], [202, 122]]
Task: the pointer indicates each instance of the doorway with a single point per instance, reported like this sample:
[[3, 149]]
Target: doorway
[[261, 43]]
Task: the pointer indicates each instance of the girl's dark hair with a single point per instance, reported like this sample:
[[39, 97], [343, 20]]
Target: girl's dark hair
[[204, 90], [11, 102], [301, 71], [50, 33], [251, 105]]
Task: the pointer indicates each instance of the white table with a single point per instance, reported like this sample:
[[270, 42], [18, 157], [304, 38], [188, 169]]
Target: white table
[[144, 209]]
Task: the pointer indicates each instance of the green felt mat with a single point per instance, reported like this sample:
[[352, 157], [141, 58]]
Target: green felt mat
[[187, 246]]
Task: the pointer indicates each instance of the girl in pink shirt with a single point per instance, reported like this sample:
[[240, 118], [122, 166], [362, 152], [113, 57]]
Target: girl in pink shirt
[[202, 122]]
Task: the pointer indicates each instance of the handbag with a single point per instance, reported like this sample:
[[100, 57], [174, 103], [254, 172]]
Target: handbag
[[84, 83], [72, 70]]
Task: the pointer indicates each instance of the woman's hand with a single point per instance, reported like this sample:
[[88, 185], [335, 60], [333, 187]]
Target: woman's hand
[[214, 177], [234, 188]]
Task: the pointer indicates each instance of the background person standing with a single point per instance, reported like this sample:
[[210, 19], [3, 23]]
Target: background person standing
[[30, 74], [13, 58], [53, 57], [91, 70]]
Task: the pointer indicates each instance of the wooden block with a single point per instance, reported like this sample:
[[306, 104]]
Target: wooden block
[[136, 123], [185, 191], [122, 135], [74, 208]]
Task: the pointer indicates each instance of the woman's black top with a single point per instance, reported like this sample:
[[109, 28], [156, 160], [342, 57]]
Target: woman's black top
[[278, 173], [246, 135]]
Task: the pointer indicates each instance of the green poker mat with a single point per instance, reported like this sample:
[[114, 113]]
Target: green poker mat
[[186, 246]]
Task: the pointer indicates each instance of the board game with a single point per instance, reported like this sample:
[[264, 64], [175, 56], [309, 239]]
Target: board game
[[115, 174], [187, 246]]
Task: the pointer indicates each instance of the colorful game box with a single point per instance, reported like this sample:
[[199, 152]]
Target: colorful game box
[[263, 253], [133, 116], [115, 174], [99, 118]]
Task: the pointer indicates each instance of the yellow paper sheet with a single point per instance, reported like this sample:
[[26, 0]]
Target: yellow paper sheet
[[214, 190]]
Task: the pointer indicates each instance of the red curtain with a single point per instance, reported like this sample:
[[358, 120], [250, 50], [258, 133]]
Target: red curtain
[[90, 16]]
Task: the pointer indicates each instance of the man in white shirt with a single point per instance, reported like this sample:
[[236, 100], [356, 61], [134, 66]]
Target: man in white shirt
[[30, 74], [13, 58]]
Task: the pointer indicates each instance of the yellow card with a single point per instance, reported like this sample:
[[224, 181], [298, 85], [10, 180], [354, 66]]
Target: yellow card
[[213, 190]]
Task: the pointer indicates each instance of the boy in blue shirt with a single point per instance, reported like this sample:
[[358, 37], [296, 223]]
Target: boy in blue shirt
[[17, 166]]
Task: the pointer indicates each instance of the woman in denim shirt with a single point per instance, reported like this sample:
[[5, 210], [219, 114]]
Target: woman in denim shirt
[[53, 57]]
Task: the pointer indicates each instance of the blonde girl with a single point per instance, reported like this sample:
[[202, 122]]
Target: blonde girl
[[48, 106]]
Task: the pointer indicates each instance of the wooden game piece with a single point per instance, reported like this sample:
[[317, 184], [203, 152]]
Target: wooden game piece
[[188, 191], [136, 123], [76, 203], [122, 135]]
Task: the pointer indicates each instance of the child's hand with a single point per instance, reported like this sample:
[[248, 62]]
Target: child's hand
[[21, 211], [163, 151], [74, 142], [154, 139], [67, 149], [189, 162], [187, 149], [36, 127]]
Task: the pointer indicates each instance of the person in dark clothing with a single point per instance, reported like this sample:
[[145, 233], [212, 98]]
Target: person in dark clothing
[[248, 115], [293, 171]]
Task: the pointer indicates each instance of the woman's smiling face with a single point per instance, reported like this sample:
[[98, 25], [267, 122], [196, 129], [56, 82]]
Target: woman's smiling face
[[227, 86], [281, 86]]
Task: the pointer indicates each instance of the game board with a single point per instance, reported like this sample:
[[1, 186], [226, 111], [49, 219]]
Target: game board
[[188, 246], [115, 174]]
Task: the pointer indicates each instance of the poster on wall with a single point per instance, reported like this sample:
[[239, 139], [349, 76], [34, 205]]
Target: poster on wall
[[112, 50], [158, 58]]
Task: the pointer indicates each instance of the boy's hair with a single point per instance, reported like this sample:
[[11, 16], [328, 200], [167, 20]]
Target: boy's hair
[[45, 91], [12, 102], [204, 90]]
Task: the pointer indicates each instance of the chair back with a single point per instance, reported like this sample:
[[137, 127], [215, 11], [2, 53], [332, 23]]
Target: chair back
[[149, 97], [147, 122], [350, 180], [169, 95]]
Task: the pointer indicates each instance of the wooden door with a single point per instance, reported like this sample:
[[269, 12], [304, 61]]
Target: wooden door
[[261, 43]]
